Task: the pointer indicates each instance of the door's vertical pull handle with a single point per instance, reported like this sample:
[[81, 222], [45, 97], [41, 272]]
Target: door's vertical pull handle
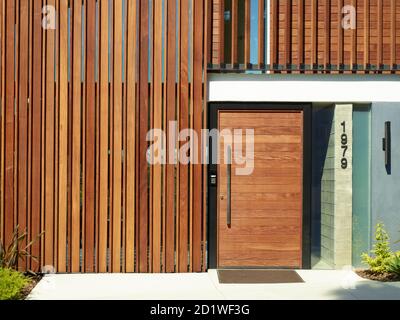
[[229, 180]]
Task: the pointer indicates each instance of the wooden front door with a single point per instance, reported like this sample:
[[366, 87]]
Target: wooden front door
[[259, 216]]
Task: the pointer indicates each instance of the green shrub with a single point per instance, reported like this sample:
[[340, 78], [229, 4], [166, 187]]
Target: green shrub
[[394, 264], [11, 284], [381, 256], [16, 252]]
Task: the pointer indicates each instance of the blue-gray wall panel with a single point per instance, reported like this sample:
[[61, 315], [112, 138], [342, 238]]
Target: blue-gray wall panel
[[386, 186]]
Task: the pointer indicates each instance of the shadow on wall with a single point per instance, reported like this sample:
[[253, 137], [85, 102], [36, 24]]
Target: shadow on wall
[[322, 119]]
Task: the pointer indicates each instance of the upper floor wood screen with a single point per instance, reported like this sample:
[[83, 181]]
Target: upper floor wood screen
[[306, 35]]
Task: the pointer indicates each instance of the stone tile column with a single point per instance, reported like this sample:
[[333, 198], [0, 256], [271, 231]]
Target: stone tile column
[[343, 206]]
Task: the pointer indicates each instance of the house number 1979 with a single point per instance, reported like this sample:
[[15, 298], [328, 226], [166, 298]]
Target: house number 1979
[[344, 144]]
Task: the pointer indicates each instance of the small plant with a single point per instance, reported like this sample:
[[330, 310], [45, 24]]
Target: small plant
[[10, 256], [394, 264], [11, 284], [381, 254]]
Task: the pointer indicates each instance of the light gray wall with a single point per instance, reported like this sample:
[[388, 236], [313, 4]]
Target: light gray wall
[[385, 187]]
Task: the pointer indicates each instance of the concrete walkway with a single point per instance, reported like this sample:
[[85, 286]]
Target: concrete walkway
[[319, 284]]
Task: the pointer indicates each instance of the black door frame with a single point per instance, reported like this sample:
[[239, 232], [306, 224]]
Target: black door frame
[[212, 224]]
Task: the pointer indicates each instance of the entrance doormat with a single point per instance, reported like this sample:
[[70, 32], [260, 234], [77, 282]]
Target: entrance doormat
[[258, 276]]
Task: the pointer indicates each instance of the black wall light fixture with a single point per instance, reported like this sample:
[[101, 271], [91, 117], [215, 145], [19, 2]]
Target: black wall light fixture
[[387, 146]]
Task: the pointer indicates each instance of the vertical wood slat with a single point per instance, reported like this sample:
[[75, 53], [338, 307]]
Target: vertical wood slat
[[314, 32], [178, 85], [97, 139], [23, 119], [191, 138], [197, 126], [379, 55], [397, 44], [171, 135], [207, 45], [215, 28], [366, 32], [247, 20], [183, 215], [9, 123], [234, 33], [209, 28], [69, 147], [43, 141], [36, 130], [110, 136], [90, 127], [124, 137], [340, 46], [56, 129], [83, 141], [151, 122], [131, 137], [261, 31], [288, 32], [221, 31], [164, 125], [63, 137], [2, 122], [274, 47], [393, 33], [30, 117], [103, 144], [117, 137], [16, 112], [300, 30], [157, 125], [327, 26], [142, 200], [2, 68], [353, 54], [76, 137], [49, 145]]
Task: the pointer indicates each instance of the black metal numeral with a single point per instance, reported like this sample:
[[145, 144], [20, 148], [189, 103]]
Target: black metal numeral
[[344, 141]]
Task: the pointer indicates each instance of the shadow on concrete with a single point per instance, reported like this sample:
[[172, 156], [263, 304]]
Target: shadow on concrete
[[370, 290]]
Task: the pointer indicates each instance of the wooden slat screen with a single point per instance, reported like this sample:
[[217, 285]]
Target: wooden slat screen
[[77, 102], [307, 36]]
